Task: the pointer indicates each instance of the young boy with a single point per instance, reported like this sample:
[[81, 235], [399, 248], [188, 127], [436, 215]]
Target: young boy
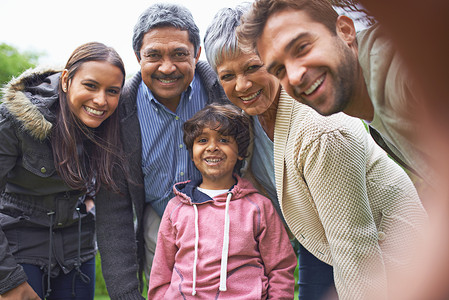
[[219, 238]]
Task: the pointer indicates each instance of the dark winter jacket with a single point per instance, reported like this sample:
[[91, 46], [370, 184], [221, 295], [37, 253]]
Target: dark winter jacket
[[34, 199], [124, 261]]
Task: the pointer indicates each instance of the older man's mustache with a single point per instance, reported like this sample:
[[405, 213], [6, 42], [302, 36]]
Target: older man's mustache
[[166, 77]]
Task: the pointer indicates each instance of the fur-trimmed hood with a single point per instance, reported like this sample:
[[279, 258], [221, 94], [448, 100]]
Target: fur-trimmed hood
[[28, 99]]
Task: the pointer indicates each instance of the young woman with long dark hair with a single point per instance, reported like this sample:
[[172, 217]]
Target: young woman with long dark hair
[[59, 145]]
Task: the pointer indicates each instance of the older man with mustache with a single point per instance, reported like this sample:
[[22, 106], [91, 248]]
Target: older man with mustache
[[170, 88]]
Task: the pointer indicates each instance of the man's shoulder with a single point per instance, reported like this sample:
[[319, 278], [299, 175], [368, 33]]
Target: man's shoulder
[[132, 84], [374, 47], [209, 81], [128, 96], [205, 73]]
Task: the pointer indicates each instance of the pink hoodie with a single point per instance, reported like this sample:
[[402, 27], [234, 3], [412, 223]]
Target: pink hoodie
[[252, 250]]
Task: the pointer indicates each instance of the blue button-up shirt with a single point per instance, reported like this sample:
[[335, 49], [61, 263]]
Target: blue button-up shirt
[[165, 159]]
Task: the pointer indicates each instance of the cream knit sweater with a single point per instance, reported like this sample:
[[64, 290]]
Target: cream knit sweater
[[343, 198]]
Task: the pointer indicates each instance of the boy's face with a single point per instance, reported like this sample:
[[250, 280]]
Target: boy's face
[[215, 156]]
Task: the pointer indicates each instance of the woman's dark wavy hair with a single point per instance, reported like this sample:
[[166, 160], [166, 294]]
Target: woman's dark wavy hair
[[85, 157], [228, 120]]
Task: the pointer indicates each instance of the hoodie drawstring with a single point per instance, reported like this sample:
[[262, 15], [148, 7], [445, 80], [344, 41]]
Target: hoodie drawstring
[[225, 250], [196, 249]]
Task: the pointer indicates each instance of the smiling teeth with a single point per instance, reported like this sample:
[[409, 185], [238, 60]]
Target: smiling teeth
[[210, 160], [167, 81], [93, 111], [314, 86], [251, 97]]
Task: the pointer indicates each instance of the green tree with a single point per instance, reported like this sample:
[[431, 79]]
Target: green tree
[[13, 62]]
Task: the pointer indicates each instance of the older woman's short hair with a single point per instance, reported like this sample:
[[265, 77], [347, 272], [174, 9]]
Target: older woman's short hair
[[165, 15], [220, 40]]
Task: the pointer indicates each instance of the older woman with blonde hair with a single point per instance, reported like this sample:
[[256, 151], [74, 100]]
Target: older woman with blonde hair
[[354, 211]]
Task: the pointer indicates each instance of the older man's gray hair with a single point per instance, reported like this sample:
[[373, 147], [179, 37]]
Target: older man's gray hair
[[166, 15]]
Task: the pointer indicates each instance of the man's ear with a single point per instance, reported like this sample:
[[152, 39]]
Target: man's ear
[[198, 55], [346, 30]]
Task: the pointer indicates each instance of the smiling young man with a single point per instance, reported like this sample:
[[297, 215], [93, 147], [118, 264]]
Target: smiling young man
[[170, 88], [323, 62]]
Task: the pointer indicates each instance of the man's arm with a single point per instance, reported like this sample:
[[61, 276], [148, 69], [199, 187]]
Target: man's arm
[[117, 243], [420, 30], [164, 258], [420, 34]]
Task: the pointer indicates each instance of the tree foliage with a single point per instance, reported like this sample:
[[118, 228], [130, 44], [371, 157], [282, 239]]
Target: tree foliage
[[13, 62]]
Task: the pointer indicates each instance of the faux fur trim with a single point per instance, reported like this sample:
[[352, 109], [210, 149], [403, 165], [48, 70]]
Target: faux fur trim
[[21, 107]]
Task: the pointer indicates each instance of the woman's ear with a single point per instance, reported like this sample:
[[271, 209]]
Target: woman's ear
[[64, 80], [346, 30]]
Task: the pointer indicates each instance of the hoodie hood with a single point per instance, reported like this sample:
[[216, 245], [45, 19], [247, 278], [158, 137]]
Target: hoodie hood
[[189, 194], [29, 97]]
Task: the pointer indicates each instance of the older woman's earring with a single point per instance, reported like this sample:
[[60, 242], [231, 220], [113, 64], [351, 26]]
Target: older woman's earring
[[64, 89]]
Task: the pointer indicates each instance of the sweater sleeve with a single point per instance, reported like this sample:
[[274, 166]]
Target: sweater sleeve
[[164, 257], [334, 168], [277, 254], [117, 244], [11, 273]]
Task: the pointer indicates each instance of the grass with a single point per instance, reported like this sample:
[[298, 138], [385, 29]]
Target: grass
[[102, 294], [101, 297]]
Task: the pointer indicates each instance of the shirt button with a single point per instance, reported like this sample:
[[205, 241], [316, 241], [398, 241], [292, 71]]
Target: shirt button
[[381, 235], [182, 173], [43, 170], [181, 145]]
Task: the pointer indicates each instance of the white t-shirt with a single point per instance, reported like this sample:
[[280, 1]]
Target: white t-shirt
[[212, 193]]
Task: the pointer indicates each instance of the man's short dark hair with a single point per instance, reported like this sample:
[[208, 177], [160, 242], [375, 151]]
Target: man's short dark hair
[[253, 22]]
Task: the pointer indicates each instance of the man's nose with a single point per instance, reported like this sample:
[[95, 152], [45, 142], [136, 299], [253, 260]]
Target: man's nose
[[295, 73], [167, 66]]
